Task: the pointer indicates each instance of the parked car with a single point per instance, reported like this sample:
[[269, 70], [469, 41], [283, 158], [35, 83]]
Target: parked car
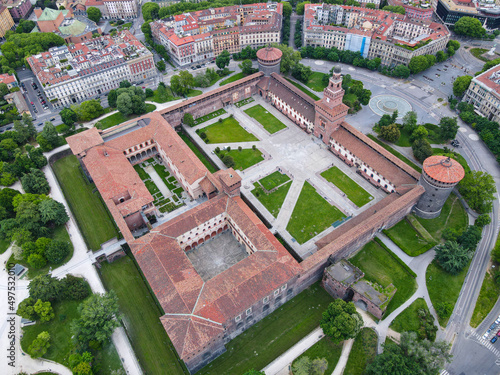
[[493, 326], [498, 333], [494, 339]]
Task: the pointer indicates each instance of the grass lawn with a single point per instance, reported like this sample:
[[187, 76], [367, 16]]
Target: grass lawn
[[227, 131], [274, 179], [303, 89], [324, 348], [118, 118], [486, 300], [354, 192], [198, 153], [408, 239], [452, 216], [477, 52], [191, 93], [268, 339], [434, 135], [408, 320], [91, 214], [210, 116], [265, 118], [141, 318], [4, 245], [315, 81], [306, 223], [395, 153], [363, 352], [443, 287], [159, 99], [141, 172], [380, 266], [236, 77], [245, 158], [273, 201]]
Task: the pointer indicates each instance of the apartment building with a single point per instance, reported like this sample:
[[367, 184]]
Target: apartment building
[[6, 21], [484, 93], [486, 11], [18, 8], [394, 38], [78, 72], [115, 9], [415, 9]]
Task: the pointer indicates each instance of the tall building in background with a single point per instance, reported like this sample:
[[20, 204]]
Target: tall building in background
[[6, 21]]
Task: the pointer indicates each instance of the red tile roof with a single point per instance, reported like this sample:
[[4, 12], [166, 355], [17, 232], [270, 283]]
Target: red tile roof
[[269, 54], [443, 169]]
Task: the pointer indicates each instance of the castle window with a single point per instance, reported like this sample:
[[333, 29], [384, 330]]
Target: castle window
[[249, 311], [283, 287], [238, 318], [265, 300], [276, 292]]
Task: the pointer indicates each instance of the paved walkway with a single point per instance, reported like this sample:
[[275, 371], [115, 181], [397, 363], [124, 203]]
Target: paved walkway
[[158, 181], [344, 356]]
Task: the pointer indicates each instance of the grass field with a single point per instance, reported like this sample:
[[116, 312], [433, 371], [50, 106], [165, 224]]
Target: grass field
[[363, 352], [274, 179], [303, 89], [380, 266], [142, 318], [324, 348], [90, 212], [158, 99], [487, 298], [434, 135], [198, 153], [227, 131], [192, 93], [315, 81], [268, 339], [443, 287], [273, 201], [408, 239], [354, 192], [118, 118], [408, 320], [233, 78], [210, 116], [395, 153], [266, 119], [305, 223], [477, 52], [245, 158]]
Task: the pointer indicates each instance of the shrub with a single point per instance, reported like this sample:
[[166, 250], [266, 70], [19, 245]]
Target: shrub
[[240, 148], [217, 149], [75, 288], [57, 251], [228, 148]]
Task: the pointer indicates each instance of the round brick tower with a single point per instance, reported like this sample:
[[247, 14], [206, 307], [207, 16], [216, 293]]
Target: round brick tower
[[440, 174], [269, 59]]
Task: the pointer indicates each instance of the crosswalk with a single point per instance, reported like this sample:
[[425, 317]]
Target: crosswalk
[[486, 343], [444, 372]]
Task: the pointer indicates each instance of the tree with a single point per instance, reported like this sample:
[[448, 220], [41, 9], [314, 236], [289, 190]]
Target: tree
[[460, 85], [469, 26], [68, 116], [246, 66], [410, 121], [341, 321], [44, 311], [98, 318], [112, 96], [452, 257], [75, 288], [441, 56], [287, 8], [254, 372], [228, 161], [394, 9], [161, 65], [57, 251], [304, 366], [449, 127], [301, 7], [4, 89], [45, 287], [289, 57], [125, 84], [370, 6], [26, 309], [301, 72], [40, 345], [94, 14], [418, 64], [36, 261], [478, 189], [25, 26], [150, 11], [35, 182], [421, 149], [188, 119], [482, 220], [401, 71], [52, 211], [88, 110], [470, 238], [24, 130], [124, 104], [390, 133], [223, 59], [420, 132], [149, 93]]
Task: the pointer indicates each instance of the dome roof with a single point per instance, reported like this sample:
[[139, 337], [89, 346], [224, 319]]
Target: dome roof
[[269, 54], [337, 69], [443, 169]]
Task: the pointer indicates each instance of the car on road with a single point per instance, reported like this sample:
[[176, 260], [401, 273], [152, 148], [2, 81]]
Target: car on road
[[52, 118], [32, 103], [40, 124], [493, 326], [198, 66], [494, 339]]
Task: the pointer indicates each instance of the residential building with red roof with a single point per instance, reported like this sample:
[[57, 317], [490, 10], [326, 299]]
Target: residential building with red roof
[[484, 94], [416, 10], [9, 79]]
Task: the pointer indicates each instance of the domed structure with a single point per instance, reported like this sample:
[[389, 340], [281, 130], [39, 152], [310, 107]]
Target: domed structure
[[269, 59], [440, 174], [337, 69]]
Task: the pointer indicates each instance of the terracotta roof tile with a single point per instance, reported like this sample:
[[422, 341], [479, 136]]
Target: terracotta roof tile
[[444, 169]]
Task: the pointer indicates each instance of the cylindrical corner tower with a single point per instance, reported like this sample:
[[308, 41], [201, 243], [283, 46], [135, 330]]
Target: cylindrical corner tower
[[269, 59], [440, 175]]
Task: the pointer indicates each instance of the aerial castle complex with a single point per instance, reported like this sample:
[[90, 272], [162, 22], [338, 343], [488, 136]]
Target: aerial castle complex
[[207, 303]]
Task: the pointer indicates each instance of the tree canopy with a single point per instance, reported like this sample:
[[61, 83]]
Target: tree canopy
[[223, 59], [35, 182], [452, 257], [395, 9], [449, 127], [469, 26], [390, 133], [94, 14], [460, 85], [340, 321], [478, 189], [289, 58], [182, 83], [421, 149]]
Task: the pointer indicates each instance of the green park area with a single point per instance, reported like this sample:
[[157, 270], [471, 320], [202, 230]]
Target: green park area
[[434, 136], [444, 289], [192, 93], [243, 158], [416, 318], [272, 336], [85, 203], [187, 140], [354, 192], [303, 89], [488, 296], [305, 223], [266, 119], [141, 318], [411, 237], [317, 82], [274, 200], [210, 116], [233, 78], [226, 131], [118, 118], [383, 267], [61, 341], [363, 352], [324, 348]]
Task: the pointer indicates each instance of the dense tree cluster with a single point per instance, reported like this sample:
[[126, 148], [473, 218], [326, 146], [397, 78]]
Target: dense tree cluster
[[289, 58], [340, 321], [246, 67], [298, 34], [460, 85], [49, 137], [48, 288], [395, 9], [356, 88], [206, 79], [94, 14], [469, 26], [25, 26], [246, 53], [182, 82], [305, 366], [88, 110], [478, 189], [128, 100]]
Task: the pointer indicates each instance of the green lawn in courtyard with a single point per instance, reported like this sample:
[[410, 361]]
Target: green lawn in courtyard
[[408, 320], [4, 245], [118, 118], [91, 214], [363, 352], [245, 158], [303, 89], [316, 82], [395, 153], [305, 223], [192, 93], [487, 298], [443, 287], [324, 348], [273, 201], [141, 172], [210, 116], [266, 119], [354, 192], [272, 336], [227, 131], [408, 239], [151, 344], [233, 78], [151, 186], [198, 153], [274, 179], [381, 267]]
